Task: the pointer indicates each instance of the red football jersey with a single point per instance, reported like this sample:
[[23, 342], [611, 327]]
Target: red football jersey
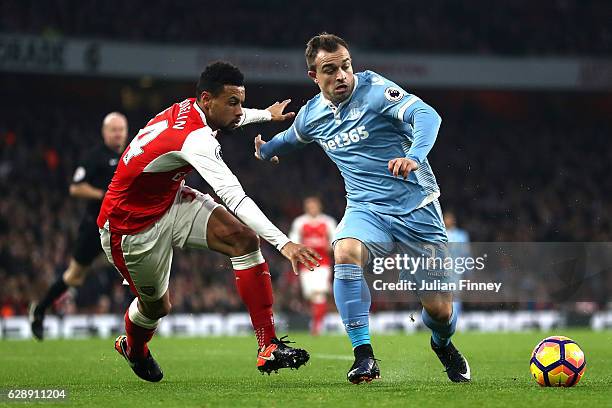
[[315, 232], [149, 175], [153, 167]]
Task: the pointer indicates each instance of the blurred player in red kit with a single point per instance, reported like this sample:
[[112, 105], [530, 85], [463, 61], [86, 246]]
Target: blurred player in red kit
[[315, 230], [148, 210]]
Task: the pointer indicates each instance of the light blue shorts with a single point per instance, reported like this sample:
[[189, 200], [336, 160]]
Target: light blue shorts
[[418, 234]]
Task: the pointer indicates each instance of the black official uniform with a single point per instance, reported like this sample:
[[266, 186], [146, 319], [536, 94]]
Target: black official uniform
[[96, 168]]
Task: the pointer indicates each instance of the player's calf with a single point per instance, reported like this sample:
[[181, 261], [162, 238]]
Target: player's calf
[[255, 289], [75, 275], [439, 316], [227, 235]]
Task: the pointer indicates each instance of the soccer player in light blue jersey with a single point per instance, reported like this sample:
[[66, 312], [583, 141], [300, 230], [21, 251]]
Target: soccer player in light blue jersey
[[379, 136], [459, 245]]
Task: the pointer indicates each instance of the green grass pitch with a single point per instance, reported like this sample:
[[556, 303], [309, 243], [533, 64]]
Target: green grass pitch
[[221, 372]]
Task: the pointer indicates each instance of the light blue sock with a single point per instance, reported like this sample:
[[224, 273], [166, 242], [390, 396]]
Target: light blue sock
[[441, 332], [353, 301]]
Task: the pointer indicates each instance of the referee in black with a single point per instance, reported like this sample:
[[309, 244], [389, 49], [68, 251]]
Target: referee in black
[[90, 181]]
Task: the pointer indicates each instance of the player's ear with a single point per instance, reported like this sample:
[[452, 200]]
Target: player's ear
[[205, 97], [313, 75]]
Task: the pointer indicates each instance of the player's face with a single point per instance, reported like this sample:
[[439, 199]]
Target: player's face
[[224, 110], [334, 74], [114, 132], [312, 207]]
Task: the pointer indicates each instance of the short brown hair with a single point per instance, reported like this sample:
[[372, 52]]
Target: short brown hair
[[323, 41]]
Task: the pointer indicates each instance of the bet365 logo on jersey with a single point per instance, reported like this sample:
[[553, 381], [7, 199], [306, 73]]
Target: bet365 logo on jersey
[[345, 138]]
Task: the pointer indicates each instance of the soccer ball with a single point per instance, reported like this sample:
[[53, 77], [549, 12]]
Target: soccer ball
[[557, 361]]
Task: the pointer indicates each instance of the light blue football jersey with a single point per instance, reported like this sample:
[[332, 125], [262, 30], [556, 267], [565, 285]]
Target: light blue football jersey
[[458, 235], [362, 134], [459, 243]]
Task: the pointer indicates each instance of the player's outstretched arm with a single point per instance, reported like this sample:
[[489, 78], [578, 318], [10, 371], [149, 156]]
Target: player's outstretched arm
[[202, 151], [283, 143], [274, 113], [258, 144]]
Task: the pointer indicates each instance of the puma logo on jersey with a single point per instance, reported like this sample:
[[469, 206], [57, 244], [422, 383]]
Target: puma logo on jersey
[[179, 176], [354, 114]]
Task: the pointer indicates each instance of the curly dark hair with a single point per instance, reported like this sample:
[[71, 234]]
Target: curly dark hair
[[216, 75]]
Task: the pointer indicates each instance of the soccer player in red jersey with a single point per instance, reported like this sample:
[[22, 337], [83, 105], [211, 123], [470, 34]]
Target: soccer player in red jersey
[[148, 210], [316, 230]]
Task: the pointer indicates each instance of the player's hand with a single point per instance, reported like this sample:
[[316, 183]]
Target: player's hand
[[277, 111], [402, 166], [258, 143], [300, 254]]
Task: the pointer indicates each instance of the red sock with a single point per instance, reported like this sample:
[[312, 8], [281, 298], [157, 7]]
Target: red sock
[[318, 311], [137, 338], [255, 289]]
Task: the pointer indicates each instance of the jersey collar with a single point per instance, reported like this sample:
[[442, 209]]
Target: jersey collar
[[197, 107]]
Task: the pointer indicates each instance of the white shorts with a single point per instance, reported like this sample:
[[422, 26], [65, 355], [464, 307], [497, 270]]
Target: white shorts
[[144, 259], [316, 281]]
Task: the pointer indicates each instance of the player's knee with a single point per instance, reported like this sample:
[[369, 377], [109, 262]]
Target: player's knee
[[245, 241], [164, 307], [161, 311], [164, 310], [157, 310], [441, 312], [347, 252], [346, 258]]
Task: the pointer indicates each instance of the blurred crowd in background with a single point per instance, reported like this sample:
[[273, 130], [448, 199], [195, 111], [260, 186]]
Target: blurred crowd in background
[[517, 27]]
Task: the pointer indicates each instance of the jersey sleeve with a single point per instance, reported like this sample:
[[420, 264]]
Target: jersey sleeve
[[289, 140], [203, 152], [299, 126], [254, 116], [395, 103], [85, 169], [388, 98]]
